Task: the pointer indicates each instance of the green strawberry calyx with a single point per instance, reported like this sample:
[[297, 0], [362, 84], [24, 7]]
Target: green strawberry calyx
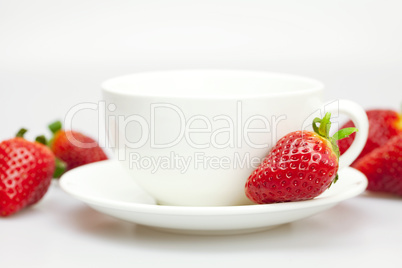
[[55, 126], [61, 166], [323, 131], [40, 139], [21, 132]]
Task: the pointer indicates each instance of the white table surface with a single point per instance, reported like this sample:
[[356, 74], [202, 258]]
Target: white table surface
[[63, 232]]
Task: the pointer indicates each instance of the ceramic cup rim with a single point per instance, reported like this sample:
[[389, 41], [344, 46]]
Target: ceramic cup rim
[[112, 85]]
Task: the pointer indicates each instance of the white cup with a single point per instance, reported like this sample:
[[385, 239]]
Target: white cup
[[193, 137]]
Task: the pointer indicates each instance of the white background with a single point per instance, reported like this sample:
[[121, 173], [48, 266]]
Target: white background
[[54, 55]]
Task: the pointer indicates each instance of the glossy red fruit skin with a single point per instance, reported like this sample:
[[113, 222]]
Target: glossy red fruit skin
[[383, 125], [299, 167], [26, 171], [75, 156], [383, 167]]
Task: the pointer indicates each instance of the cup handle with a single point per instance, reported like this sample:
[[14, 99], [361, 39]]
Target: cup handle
[[357, 114]]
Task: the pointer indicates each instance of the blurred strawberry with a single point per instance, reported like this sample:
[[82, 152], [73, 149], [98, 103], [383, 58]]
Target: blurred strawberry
[[26, 171], [383, 125], [73, 148], [383, 167]]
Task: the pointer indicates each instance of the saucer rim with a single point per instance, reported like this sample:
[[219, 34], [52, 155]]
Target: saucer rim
[[358, 186]]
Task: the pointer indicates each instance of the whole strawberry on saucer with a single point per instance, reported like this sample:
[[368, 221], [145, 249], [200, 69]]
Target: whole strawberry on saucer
[[26, 170], [383, 125], [301, 166], [73, 149]]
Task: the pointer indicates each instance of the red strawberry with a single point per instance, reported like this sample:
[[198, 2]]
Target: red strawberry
[[26, 170], [383, 167], [74, 155], [301, 166], [383, 125]]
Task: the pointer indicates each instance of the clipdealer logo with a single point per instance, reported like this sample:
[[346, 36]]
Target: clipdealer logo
[[220, 131]]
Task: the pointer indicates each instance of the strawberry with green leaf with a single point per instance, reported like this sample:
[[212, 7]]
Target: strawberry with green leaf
[[301, 166]]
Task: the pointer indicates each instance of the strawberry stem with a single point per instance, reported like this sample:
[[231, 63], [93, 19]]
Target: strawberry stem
[[325, 125], [55, 126], [21, 133]]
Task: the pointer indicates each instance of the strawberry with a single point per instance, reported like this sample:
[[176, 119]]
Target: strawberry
[[383, 125], [301, 166], [73, 155], [26, 170], [383, 167]]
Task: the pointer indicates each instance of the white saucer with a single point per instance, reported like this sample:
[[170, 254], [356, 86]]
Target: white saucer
[[106, 187]]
